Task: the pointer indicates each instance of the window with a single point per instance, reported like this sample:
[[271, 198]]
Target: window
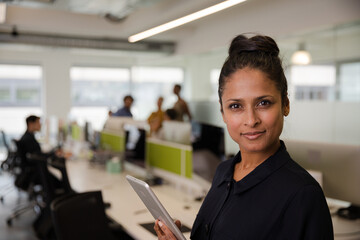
[[20, 96], [313, 82], [20, 85], [95, 91], [349, 80], [214, 81], [151, 82]]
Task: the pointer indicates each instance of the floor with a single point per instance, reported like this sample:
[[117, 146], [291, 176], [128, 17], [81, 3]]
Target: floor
[[21, 228]]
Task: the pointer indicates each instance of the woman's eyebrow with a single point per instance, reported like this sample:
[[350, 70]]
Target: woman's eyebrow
[[264, 96], [240, 99], [234, 100]]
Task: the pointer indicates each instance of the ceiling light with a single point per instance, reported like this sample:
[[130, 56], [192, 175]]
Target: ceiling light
[[301, 57], [183, 20]]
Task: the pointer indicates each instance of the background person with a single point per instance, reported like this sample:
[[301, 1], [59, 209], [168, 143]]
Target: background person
[[29, 145], [262, 193], [180, 105], [156, 118], [169, 115], [125, 111], [28, 142]]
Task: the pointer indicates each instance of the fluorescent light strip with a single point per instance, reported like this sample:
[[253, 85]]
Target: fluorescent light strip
[[183, 20]]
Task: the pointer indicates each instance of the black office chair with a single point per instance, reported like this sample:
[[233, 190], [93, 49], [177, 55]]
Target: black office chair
[[23, 181], [82, 216], [52, 188], [7, 166]]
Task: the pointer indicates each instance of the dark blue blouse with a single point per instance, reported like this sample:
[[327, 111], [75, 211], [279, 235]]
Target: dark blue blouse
[[277, 200]]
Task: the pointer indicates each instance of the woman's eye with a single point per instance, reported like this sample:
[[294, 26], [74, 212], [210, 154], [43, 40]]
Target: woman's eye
[[264, 103], [234, 106]]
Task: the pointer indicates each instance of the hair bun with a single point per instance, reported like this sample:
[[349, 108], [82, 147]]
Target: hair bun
[[257, 43]]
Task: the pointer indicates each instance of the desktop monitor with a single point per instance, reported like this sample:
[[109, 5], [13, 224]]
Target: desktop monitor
[[116, 124], [339, 165], [177, 132], [208, 149], [135, 137], [88, 133]]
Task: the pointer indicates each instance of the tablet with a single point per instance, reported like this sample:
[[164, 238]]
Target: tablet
[[153, 204]]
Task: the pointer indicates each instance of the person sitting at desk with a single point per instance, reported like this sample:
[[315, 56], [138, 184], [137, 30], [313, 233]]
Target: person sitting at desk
[[261, 193], [28, 144], [169, 115], [125, 111]]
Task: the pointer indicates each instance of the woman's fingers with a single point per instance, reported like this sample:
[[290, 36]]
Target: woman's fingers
[[163, 232], [158, 230], [178, 224]]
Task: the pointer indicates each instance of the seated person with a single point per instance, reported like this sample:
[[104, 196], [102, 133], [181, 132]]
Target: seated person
[[28, 144], [125, 111], [169, 115]]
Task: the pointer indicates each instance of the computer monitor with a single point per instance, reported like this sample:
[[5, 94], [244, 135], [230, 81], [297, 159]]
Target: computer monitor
[[88, 133], [177, 132], [135, 137], [208, 149], [339, 165]]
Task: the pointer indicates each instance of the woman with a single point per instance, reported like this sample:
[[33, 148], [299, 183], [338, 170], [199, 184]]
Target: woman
[[261, 193], [180, 105], [156, 118]]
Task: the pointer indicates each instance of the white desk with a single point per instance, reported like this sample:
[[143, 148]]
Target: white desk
[[126, 207], [128, 210]]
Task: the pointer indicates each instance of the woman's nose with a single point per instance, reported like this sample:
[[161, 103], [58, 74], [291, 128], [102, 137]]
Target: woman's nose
[[251, 118]]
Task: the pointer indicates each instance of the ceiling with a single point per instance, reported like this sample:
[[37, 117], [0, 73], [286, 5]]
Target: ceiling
[[111, 22], [113, 10]]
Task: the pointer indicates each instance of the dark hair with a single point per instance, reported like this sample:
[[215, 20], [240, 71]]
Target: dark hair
[[128, 97], [257, 52], [31, 119], [171, 113], [177, 86]]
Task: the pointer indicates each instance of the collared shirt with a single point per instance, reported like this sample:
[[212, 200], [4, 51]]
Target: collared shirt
[[277, 200], [123, 112]]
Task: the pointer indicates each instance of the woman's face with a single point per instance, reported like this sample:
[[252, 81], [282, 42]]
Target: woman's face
[[253, 111]]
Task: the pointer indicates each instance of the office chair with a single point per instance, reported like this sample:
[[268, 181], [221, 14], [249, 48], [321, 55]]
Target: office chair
[[7, 166], [52, 188], [81, 216], [23, 182]]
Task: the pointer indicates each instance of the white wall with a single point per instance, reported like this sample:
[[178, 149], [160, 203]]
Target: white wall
[[334, 122]]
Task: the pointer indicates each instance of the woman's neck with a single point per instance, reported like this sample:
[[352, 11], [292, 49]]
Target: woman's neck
[[250, 160]]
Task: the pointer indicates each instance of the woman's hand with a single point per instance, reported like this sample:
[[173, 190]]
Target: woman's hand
[[163, 232]]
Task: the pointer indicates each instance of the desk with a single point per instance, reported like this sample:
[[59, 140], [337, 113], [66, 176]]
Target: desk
[[126, 207], [128, 210]]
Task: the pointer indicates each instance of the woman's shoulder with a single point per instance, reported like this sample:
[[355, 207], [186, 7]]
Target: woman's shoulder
[[297, 177]]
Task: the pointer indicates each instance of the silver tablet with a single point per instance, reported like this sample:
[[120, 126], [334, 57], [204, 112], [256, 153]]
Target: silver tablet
[[153, 204]]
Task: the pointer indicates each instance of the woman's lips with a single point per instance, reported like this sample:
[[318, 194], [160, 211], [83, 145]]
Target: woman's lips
[[253, 135]]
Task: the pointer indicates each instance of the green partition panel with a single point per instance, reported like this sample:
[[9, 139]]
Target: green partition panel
[[170, 158], [76, 132], [111, 141]]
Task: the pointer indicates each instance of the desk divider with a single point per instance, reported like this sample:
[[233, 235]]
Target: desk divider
[[112, 141], [172, 157]]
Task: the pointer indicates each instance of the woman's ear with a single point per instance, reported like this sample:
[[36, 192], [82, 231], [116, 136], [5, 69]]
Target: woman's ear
[[222, 111], [286, 109]]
